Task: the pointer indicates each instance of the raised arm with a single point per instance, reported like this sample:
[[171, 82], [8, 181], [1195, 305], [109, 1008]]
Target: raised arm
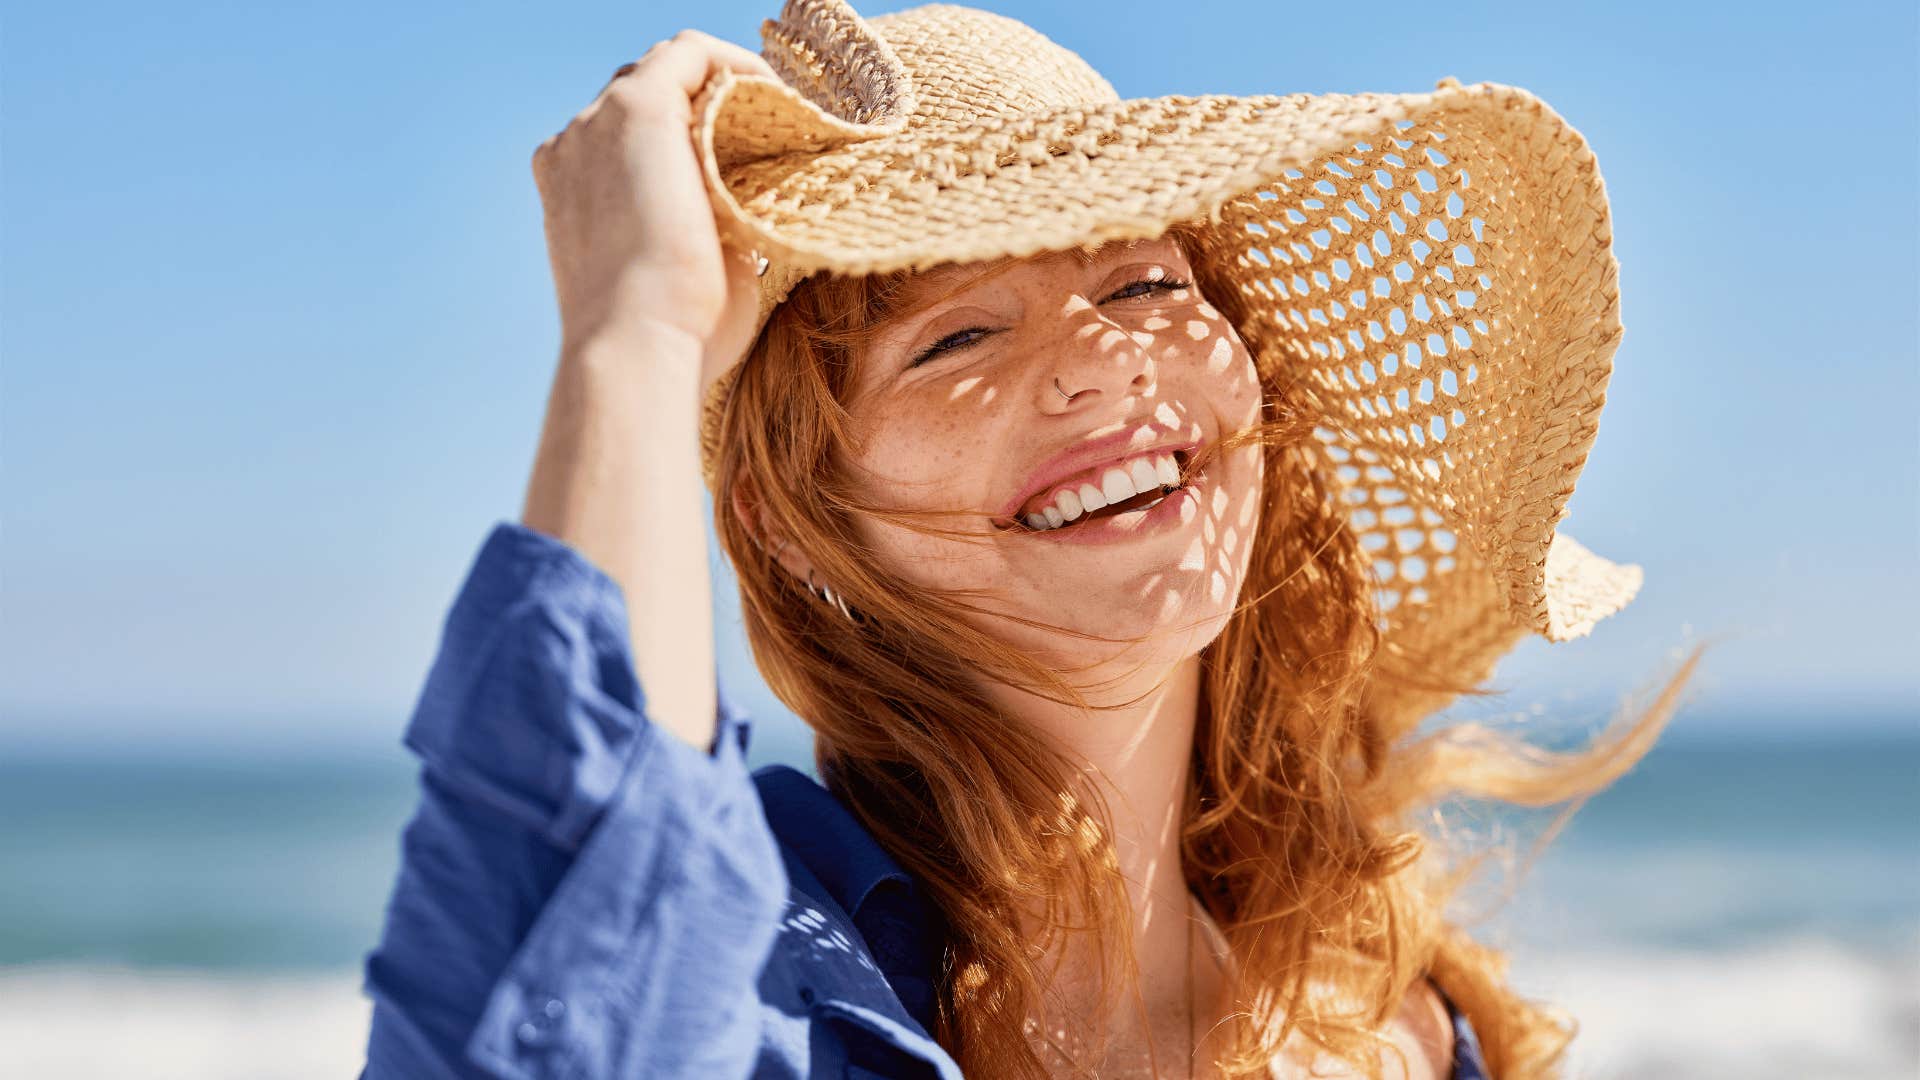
[[588, 886], [652, 306]]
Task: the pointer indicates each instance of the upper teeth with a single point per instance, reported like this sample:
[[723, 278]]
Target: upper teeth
[[1117, 483]]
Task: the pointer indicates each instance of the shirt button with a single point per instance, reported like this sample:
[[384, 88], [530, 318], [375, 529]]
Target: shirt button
[[806, 994], [540, 1028], [531, 1034]]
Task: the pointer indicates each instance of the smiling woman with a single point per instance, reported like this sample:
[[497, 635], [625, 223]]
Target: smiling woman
[[1165, 701], [1059, 464]]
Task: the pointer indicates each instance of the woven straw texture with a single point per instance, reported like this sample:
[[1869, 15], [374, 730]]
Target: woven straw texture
[[1437, 267]]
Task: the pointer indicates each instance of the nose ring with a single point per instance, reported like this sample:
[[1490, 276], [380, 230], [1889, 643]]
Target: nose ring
[[1062, 393]]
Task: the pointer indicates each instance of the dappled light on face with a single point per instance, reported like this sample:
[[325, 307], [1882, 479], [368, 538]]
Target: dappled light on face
[[952, 436], [1249, 514], [1225, 541], [966, 386], [1221, 357], [1217, 585], [1194, 558], [1199, 370], [1217, 509]]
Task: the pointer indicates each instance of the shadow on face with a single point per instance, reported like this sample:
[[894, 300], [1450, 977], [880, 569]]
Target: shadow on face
[[1051, 411]]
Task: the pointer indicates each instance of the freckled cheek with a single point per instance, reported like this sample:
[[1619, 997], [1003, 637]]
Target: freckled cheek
[[1222, 356], [928, 461], [1229, 360], [1223, 371], [1248, 394]]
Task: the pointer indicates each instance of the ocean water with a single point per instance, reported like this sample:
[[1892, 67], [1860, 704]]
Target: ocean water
[[1726, 910]]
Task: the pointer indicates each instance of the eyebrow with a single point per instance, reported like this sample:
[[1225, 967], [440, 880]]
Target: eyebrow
[[918, 290], [914, 294]]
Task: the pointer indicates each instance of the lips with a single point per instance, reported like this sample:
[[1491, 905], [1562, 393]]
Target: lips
[[1133, 460], [1098, 491]]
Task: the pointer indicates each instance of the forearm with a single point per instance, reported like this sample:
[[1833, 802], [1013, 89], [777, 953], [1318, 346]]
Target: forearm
[[617, 476]]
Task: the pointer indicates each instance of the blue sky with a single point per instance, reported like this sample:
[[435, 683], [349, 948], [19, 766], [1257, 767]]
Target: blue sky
[[276, 331]]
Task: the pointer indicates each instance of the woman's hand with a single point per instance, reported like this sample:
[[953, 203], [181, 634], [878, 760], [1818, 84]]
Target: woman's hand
[[652, 307], [630, 226]]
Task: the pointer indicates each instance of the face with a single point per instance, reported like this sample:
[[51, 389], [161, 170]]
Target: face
[[1073, 391]]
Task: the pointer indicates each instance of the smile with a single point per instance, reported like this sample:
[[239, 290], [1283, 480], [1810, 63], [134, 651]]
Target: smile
[[1129, 486]]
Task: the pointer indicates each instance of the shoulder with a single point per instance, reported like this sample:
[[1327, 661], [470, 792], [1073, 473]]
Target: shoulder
[[1423, 1031]]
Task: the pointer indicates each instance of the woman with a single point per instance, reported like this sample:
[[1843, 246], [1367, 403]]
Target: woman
[[1058, 551]]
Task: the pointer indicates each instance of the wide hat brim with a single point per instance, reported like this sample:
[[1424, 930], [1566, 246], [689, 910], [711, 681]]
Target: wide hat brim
[[1435, 269]]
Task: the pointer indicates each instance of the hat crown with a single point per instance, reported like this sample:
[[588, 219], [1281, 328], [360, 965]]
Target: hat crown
[[967, 64], [929, 65]]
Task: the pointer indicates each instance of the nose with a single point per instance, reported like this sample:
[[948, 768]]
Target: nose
[[1096, 358]]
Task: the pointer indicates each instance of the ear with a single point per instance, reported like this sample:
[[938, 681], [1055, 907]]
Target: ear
[[746, 506]]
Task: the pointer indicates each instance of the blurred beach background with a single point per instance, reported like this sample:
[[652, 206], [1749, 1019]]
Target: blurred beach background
[[275, 335]]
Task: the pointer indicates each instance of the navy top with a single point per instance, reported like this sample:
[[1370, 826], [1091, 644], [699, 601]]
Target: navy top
[[583, 895]]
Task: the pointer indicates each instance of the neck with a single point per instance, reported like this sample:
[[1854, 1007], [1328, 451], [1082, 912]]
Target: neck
[[1139, 757]]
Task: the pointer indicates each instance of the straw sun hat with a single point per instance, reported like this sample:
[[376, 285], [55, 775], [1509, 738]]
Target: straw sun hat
[[1437, 268]]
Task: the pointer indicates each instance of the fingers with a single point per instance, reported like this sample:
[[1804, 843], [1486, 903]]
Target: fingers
[[690, 57], [660, 85], [623, 69]]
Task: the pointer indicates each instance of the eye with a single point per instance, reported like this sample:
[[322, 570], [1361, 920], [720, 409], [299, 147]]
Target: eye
[[1149, 287], [956, 340], [1132, 290]]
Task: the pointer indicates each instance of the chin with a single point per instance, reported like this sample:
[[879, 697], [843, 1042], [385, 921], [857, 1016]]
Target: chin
[[1170, 630]]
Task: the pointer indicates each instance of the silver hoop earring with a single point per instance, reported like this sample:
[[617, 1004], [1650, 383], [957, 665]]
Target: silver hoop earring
[[826, 593], [1062, 393]]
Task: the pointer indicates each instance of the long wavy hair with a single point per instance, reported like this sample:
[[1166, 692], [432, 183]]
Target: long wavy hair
[[1308, 831]]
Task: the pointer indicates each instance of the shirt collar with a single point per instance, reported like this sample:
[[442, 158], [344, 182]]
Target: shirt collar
[[829, 839], [887, 906], [808, 820]]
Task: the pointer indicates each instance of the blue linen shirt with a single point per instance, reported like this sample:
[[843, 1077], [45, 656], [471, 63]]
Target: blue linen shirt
[[583, 895]]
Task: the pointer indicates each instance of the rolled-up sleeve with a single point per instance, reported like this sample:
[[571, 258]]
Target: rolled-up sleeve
[[580, 893]]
